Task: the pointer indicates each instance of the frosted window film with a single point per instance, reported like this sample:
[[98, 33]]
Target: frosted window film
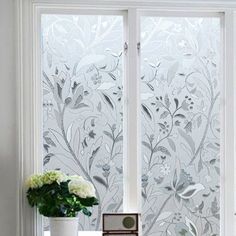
[[82, 104], [180, 92]]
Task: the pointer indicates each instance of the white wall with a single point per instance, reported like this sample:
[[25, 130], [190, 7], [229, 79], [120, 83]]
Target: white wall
[[8, 158]]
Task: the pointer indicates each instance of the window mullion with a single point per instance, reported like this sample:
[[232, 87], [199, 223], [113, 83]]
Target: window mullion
[[227, 142], [132, 163]]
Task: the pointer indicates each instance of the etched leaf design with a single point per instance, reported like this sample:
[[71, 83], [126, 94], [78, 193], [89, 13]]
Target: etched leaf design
[[180, 115], [66, 88], [164, 215], [88, 60], [49, 59], [167, 101], [176, 103], [77, 98], [91, 159], [172, 144], [108, 134], [164, 114], [112, 76], [106, 86], [162, 149], [49, 141], [172, 72], [108, 100], [206, 228], [146, 111], [191, 190], [188, 139], [101, 181], [192, 227], [47, 158], [147, 145]]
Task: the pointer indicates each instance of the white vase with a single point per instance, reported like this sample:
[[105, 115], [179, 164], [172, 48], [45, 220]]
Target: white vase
[[64, 226]]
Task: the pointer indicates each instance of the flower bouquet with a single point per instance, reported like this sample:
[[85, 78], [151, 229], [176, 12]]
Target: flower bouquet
[[61, 197]]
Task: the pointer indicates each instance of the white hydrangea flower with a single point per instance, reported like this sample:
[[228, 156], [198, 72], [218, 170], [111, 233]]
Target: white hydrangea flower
[[54, 176], [34, 181], [81, 187], [75, 177]]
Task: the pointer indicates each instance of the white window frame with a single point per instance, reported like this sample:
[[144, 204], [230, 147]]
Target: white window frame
[[29, 71]]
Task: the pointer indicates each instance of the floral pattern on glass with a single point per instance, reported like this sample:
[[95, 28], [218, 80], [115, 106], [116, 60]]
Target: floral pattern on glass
[[82, 79], [180, 104]]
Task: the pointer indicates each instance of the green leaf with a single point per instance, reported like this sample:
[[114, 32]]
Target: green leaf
[[54, 200], [86, 212]]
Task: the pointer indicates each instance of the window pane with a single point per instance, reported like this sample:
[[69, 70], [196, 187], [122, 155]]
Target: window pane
[[82, 75], [180, 97]]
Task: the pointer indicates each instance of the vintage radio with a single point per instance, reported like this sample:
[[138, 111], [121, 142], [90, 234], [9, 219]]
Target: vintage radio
[[120, 234], [121, 224]]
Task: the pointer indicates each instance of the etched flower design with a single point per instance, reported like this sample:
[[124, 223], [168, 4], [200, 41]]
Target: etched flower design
[[144, 181], [119, 93], [165, 169], [106, 170], [97, 79], [47, 110]]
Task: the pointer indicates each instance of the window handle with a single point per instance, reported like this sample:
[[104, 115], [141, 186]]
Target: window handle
[[125, 47], [138, 47]]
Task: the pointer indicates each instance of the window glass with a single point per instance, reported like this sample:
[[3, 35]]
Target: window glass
[[180, 96], [82, 77]]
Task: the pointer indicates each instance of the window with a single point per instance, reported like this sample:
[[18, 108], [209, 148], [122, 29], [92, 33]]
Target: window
[[82, 77], [131, 98], [180, 88]]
